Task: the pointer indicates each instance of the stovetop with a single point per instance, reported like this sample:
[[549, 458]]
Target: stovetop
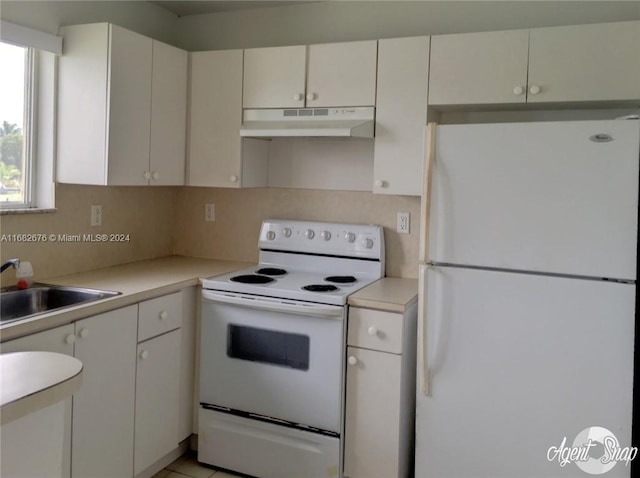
[[309, 261], [305, 285]]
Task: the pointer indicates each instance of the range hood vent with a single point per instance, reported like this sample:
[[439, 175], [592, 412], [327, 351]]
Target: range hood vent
[[309, 122]]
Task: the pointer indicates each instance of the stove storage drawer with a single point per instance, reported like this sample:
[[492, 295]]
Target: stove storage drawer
[[263, 449], [160, 315], [375, 330]]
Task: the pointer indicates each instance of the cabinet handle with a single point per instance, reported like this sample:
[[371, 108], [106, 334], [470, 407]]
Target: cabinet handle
[[163, 315], [534, 89], [518, 90], [298, 96], [353, 360], [156, 175], [147, 175], [84, 333], [144, 355], [233, 178], [69, 339], [379, 183], [311, 96], [373, 331]]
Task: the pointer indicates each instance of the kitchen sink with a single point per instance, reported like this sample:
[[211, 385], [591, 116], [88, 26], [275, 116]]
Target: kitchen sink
[[41, 298]]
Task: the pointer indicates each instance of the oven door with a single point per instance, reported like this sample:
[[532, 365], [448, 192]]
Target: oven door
[[275, 358]]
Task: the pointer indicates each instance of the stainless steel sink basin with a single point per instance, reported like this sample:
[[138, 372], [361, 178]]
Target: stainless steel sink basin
[[40, 298]]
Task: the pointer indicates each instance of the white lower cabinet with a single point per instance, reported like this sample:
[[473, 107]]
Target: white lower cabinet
[[103, 407], [157, 397], [380, 399], [135, 403], [158, 377]]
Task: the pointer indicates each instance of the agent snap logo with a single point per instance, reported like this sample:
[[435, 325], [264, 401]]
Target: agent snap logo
[[595, 450]]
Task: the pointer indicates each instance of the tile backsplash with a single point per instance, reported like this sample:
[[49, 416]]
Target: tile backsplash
[[160, 221], [239, 212], [145, 214]]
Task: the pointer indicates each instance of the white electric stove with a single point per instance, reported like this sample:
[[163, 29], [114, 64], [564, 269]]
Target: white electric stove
[[272, 350], [309, 261]]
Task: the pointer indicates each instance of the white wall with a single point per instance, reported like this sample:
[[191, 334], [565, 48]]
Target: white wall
[[142, 17], [323, 22]]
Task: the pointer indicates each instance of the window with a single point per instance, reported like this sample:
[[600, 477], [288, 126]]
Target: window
[[16, 125]]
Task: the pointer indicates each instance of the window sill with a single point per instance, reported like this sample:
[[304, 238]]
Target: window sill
[[26, 210]]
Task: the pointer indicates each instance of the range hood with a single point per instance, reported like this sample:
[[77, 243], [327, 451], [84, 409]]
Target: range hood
[[309, 122]]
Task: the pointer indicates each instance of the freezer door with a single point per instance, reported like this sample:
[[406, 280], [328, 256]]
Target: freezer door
[[537, 196], [518, 362]]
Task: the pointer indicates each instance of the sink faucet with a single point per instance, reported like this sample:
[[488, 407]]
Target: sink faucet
[[15, 263]]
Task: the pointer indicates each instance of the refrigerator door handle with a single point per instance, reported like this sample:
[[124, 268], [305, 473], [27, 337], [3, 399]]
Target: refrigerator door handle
[[430, 153], [423, 361]]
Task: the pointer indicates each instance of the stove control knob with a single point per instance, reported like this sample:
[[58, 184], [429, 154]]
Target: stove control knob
[[286, 232], [326, 235], [309, 234], [368, 243], [350, 237], [271, 235]]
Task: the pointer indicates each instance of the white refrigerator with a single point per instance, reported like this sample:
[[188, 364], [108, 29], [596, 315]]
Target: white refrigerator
[[527, 297]]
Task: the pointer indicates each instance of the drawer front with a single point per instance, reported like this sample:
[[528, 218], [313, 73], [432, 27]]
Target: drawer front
[[375, 330], [157, 316]]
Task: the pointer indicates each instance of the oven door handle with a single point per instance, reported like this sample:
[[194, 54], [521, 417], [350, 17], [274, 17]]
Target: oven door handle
[[300, 308]]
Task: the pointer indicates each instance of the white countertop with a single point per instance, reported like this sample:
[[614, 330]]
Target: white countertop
[[30, 381], [136, 281], [389, 294]]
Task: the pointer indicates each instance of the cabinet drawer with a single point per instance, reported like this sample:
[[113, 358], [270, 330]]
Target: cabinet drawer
[[157, 316], [375, 330]]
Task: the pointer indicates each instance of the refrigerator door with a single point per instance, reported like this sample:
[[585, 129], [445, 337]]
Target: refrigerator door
[[517, 363], [551, 197]]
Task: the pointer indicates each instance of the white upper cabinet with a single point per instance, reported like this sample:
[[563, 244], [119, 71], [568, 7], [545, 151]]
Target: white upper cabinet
[[128, 109], [585, 63], [596, 62], [218, 157], [168, 114], [342, 74], [337, 74], [476, 68], [274, 77], [121, 108], [401, 115]]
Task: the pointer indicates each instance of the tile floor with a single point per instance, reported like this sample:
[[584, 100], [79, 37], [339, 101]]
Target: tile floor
[[188, 467]]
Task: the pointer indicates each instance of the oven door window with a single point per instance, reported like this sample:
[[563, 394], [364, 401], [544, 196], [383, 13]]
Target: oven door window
[[268, 346]]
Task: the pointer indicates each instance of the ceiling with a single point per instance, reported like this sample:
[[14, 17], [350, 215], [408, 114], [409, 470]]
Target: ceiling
[[182, 8]]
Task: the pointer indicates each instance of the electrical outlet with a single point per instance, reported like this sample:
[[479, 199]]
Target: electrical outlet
[[403, 223], [209, 212], [96, 215]]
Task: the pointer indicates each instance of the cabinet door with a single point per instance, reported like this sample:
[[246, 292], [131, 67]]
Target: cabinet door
[[168, 115], [157, 398], [82, 105], [342, 74], [401, 115], [59, 340], [274, 77], [479, 68], [585, 62], [103, 408], [215, 116], [129, 92], [372, 414]]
